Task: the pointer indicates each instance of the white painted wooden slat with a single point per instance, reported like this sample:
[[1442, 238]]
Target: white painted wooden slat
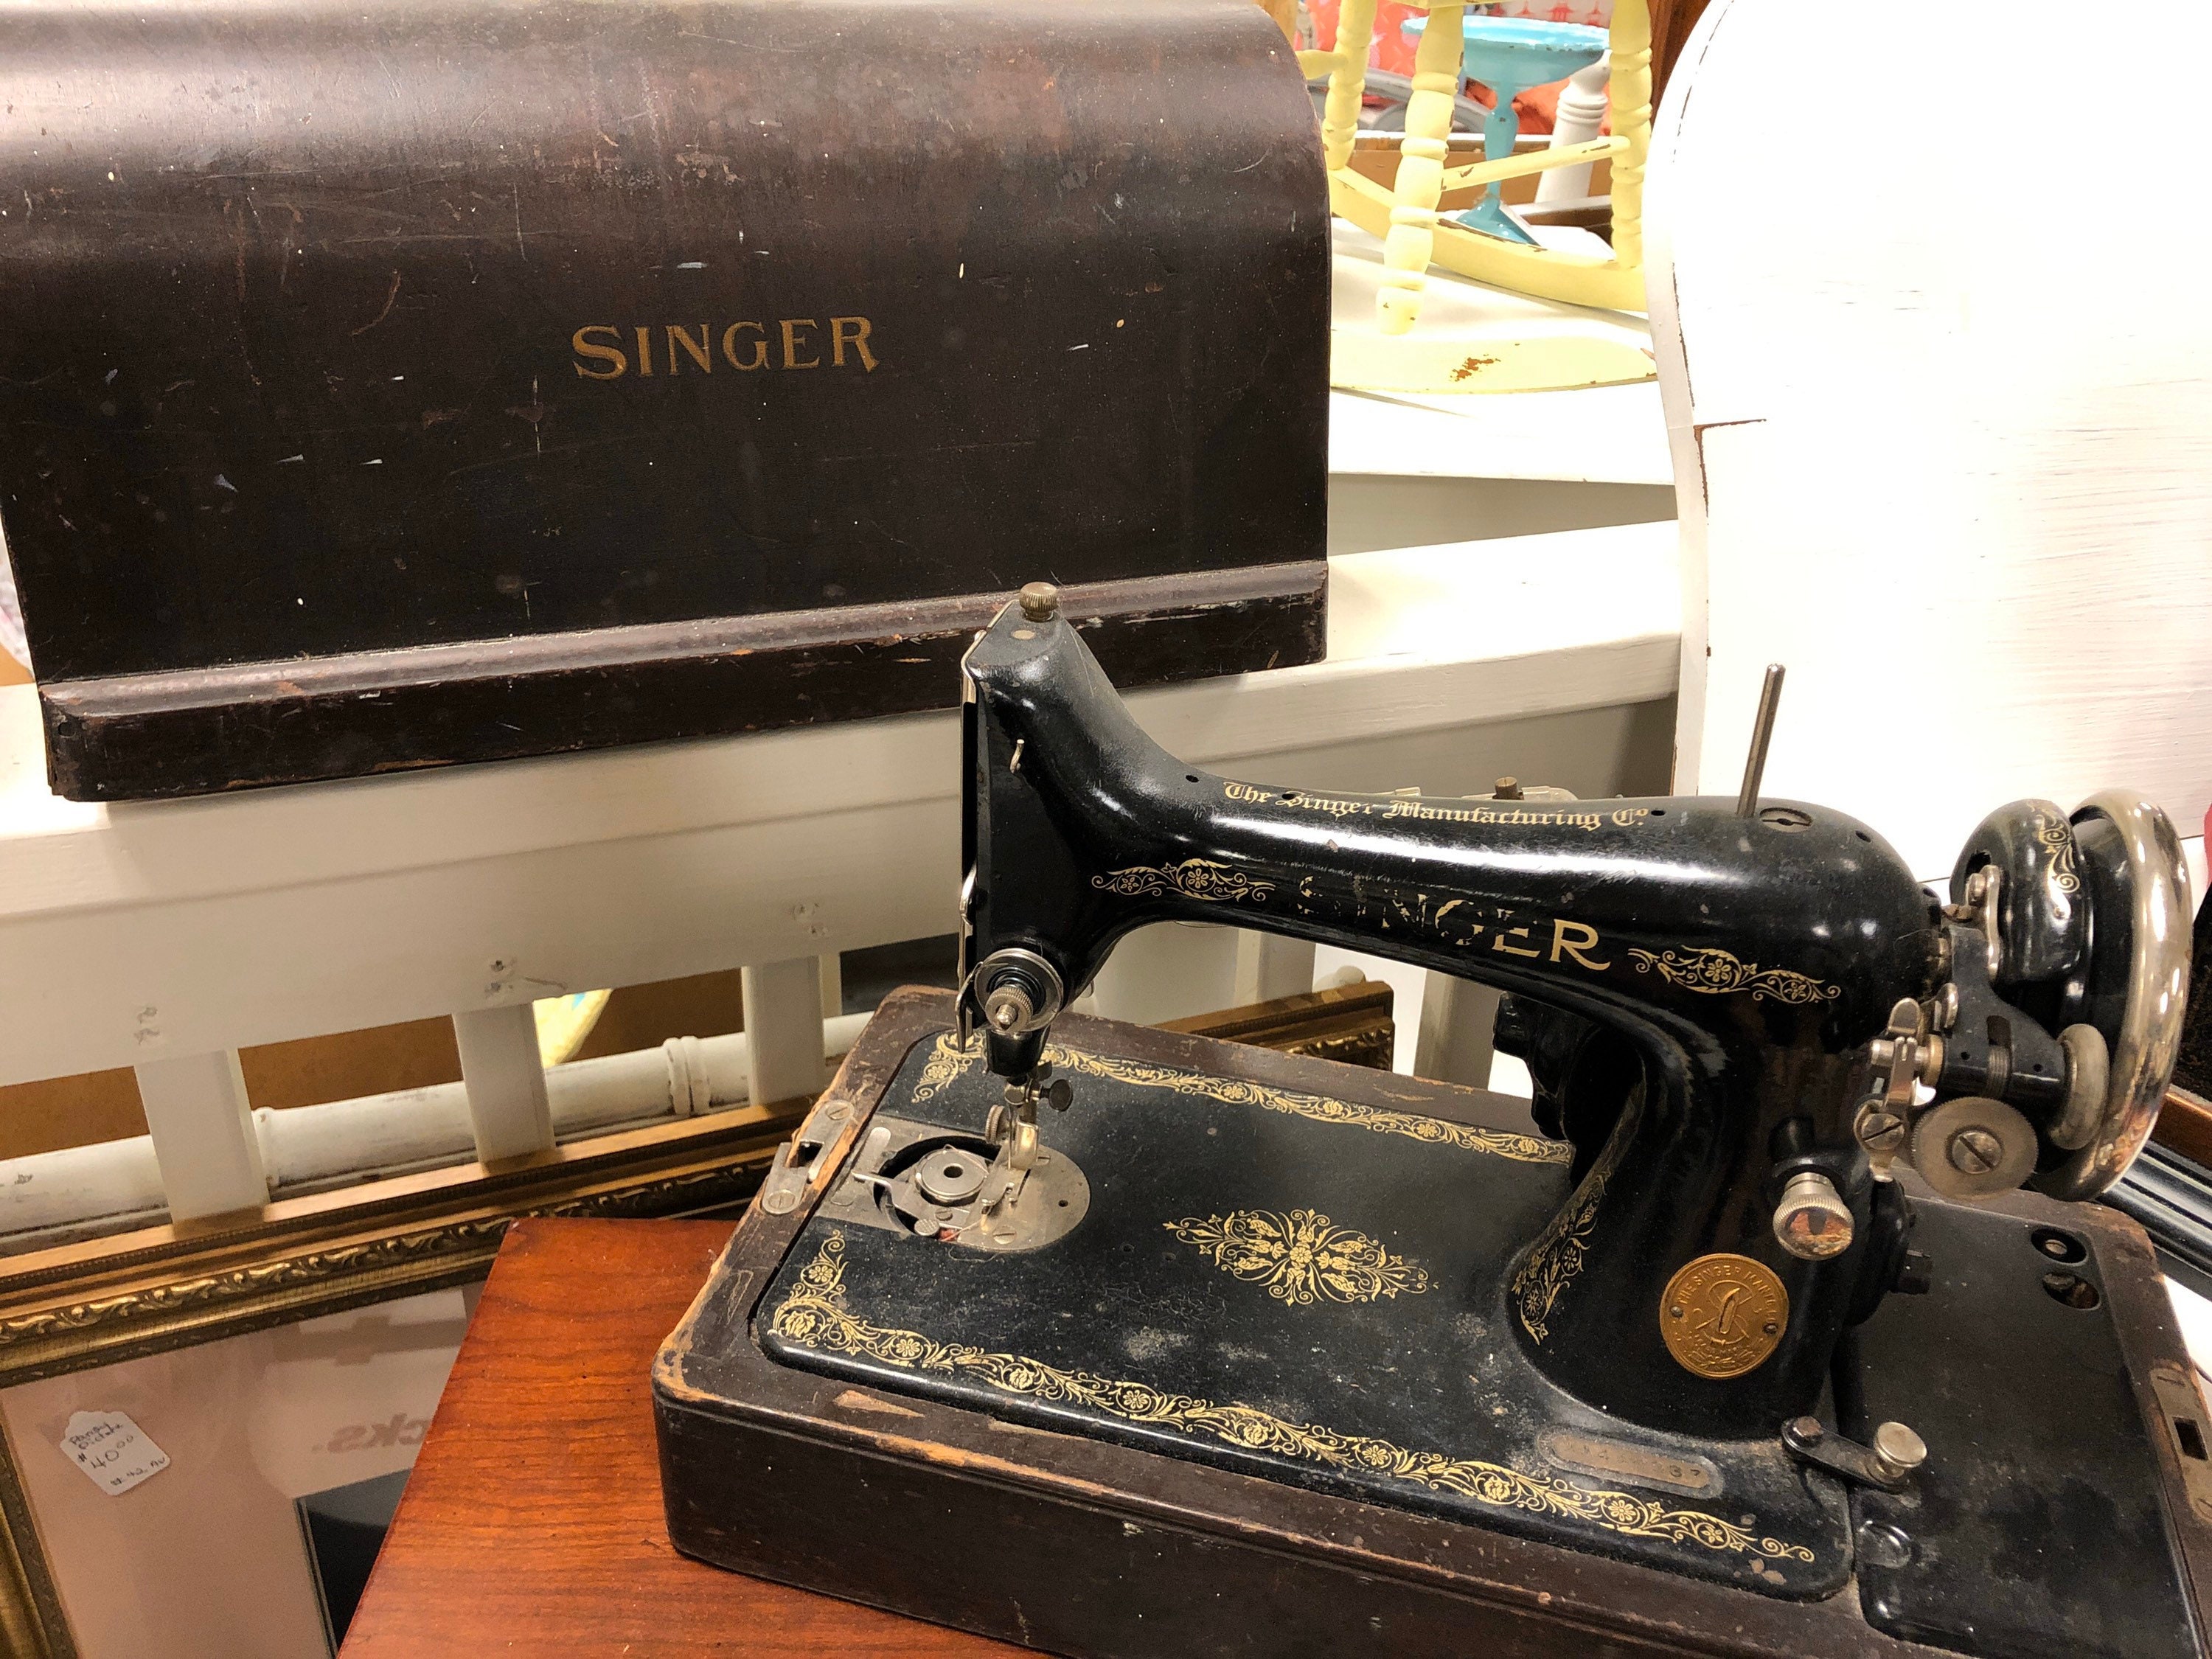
[[203, 1132], [1453, 1044], [1169, 972], [504, 1080], [1949, 456], [783, 1026], [1270, 966], [134, 933]]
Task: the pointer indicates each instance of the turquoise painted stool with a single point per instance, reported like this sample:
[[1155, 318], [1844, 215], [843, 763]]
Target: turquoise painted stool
[[1509, 55]]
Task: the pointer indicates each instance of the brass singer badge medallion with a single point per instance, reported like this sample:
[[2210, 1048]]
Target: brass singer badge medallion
[[1722, 1314]]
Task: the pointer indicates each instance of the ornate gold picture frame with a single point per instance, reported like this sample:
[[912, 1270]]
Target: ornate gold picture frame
[[165, 1288], [85, 1306]]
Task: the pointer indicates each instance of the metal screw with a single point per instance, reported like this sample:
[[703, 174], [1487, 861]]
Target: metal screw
[[1880, 1131], [1008, 1008], [1808, 1430], [1974, 1151], [1898, 1450], [1040, 601], [1506, 789]]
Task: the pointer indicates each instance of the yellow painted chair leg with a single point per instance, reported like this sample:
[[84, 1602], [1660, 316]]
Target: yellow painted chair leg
[[1347, 82], [1420, 182]]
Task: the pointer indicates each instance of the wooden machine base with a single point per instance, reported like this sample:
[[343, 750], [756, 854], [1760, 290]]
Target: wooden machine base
[[861, 1469]]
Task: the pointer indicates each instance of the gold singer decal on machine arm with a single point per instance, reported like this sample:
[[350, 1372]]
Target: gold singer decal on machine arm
[[1301, 1257], [1713, 972], [947, 1063], [1198, 878], [1470, 810], [815, 1314]]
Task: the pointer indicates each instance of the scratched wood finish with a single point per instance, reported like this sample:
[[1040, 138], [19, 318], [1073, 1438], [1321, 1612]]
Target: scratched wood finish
[[1947, 460], [917, 1505], [532, 1523], [400, 382]]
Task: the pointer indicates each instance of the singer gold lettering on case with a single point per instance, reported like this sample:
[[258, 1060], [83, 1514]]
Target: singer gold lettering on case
[[611, 351]]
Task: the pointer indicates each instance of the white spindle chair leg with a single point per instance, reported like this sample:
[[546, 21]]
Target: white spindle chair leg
[[1420, 178], [1453, 1042], [505, 1081], [1581, 112], [1355, 39], [783, 1030], [203, 1132], [1270, 966]]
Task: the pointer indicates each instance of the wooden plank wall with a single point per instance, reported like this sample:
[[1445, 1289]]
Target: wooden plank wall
[[1942, 417]]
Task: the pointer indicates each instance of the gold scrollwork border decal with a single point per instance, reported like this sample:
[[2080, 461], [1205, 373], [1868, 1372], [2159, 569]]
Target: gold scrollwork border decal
[[1710, 971], [947, 1062], [1198, 878], [1301, 1257], [814, 1315], [1557, 1259]]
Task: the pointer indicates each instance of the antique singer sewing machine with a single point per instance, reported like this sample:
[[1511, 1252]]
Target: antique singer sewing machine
[[1789, 1334]]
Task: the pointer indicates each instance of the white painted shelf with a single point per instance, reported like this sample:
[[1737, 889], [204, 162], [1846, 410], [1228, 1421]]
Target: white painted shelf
[[1597, 435], [137, 933]]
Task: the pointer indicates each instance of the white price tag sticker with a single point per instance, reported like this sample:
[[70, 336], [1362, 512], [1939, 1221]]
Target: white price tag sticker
[[113, 1451]]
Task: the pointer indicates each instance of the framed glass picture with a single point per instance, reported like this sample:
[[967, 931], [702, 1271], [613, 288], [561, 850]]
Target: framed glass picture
[[203, 1430], [271, 1453]]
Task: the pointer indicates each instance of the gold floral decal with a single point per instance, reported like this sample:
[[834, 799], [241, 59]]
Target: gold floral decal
[[814, 1315], [947, 1062], [1301, 1257], [1198, 878], [1238, 1092], [1711, 972], [1557, 1259], [2059, 838]]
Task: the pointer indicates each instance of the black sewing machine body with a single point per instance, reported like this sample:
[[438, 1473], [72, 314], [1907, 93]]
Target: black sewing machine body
[[1332, 1358], [1583, 907]]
